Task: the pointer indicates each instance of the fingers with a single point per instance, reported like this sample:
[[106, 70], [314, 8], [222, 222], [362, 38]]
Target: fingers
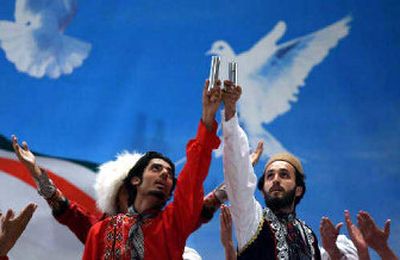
[[326, 226], [255, 156], [206, 84], [9, 215], [213, 94], [365, 224], [226, 218], [222, 218], [230, 89], [228, 85], [327, 222], [25, 146], [16, 146], [387, 227], [366, 219], [228, 215], [26, 214], [322, 226], [260, 147], [15, 143], [205, 88], [338, 226], [348, 220]]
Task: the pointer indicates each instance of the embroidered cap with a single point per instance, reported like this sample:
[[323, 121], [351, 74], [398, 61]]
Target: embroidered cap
[[287, 157]]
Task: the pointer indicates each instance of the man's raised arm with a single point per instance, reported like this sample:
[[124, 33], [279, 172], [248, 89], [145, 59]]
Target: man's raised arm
[[239, 174]]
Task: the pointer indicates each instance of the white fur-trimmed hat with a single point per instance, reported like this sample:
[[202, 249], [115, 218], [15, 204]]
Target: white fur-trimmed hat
[[109, 179], [190, 254]]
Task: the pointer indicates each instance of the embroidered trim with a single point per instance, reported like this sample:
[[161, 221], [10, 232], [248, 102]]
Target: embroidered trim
[[114, 238], [253, 238], [309, 235], [280, 233]]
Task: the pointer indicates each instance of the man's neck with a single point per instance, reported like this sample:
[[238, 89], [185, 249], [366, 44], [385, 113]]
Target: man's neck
[[144, 204], [283, 211]]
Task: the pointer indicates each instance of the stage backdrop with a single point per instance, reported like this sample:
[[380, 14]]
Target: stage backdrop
[[84, 80]]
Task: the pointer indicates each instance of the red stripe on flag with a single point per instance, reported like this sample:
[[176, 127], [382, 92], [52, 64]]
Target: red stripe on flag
[[19, 171]]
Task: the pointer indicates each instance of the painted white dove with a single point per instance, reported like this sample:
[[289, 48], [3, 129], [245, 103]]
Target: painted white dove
[[36, 43], [271, 75]]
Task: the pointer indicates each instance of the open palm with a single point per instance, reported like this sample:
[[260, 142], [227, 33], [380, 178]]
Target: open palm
[[23, 153], [11, 227]]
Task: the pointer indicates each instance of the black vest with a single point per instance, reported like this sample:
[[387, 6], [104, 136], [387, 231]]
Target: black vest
[[269, 242]]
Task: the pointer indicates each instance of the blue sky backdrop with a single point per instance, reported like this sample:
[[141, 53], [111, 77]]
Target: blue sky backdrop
[[140, 89]]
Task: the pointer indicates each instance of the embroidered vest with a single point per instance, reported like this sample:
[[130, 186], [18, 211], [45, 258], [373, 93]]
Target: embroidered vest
[[269, 242]]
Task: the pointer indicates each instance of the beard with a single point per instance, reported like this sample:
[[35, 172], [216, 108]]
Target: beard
[[278, 203]]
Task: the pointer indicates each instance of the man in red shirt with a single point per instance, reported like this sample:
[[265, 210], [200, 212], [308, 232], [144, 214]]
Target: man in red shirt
[[150, 231]]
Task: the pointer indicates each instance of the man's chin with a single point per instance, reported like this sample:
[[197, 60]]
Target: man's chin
[[279, 200], [276, 194], [158, 194]]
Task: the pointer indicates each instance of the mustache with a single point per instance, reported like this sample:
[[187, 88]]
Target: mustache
[[276, 187]]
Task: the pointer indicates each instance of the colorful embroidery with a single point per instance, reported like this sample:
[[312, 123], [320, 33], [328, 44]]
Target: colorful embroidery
[[280, 233], [309, 235], [114, 246]]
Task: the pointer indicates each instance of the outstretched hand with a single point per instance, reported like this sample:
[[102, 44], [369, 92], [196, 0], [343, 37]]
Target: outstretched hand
[[255, 156], [23, 153], [357, 237], [211, 102], [226, 226], [11, 227], [226, 233], [45, 186], [329, 233], [230, 96], [375, 237]]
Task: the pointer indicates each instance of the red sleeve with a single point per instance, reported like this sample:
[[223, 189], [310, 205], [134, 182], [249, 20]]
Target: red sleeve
[[3, 258], [78, 220], [188, 196], [94, 244]]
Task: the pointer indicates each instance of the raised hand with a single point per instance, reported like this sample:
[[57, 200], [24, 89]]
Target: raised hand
[[357, 237], [230, 96], [211, 102], [11, 227], [329, 233], [255, 156], [226, 233], [23, 153], [45, 186], [375, 237]]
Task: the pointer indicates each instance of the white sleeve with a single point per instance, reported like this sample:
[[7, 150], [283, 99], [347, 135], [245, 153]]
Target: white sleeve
[[345, 246], [240, 181]]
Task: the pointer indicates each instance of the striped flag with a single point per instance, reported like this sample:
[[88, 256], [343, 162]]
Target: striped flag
[[44, 237]]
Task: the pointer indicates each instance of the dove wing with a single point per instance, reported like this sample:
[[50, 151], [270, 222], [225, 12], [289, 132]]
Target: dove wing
[[284, 73], [264, 48]]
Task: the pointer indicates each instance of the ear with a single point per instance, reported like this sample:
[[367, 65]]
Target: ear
[[135, 181], [299, 191]]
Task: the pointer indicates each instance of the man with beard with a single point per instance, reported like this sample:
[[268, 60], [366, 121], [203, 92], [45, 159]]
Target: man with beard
[[275, 232]]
